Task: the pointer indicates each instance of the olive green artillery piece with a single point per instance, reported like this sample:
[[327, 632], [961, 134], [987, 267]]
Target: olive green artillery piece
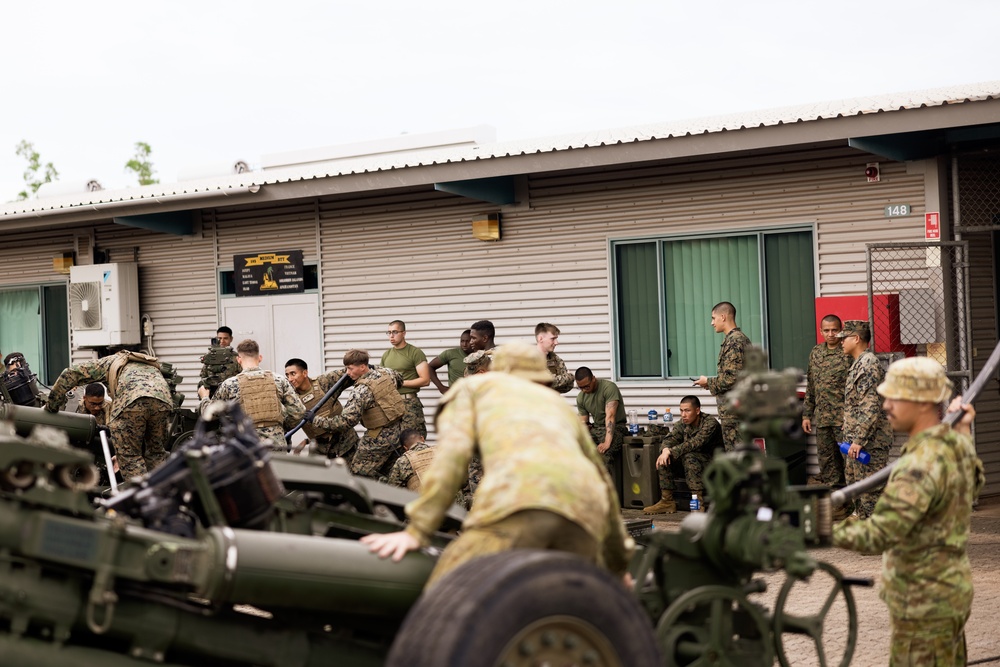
[[697, 585]]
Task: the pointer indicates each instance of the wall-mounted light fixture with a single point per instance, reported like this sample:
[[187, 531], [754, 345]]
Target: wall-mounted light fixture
[[62, 262], [486, 227]]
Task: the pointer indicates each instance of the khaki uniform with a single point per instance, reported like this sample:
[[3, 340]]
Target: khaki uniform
[[545, 485], [731, 357], [342, 442], [921, 523], [824, 406], [268, 399], [377, 405], [139, 416], [691, 450], [865, 423]]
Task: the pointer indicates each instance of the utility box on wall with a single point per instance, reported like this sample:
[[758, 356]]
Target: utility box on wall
[[886, 336]]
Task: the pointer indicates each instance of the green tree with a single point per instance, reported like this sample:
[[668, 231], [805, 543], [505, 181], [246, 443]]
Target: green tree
[[36, 174], [141, 165]]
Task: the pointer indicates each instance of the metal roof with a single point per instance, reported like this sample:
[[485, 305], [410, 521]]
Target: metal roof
[[132, 199]]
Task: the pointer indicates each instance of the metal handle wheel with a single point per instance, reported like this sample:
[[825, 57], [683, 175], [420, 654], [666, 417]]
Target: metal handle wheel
[[812, 626]]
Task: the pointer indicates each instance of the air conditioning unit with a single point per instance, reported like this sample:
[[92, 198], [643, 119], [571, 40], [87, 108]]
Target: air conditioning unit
[[104, 304]]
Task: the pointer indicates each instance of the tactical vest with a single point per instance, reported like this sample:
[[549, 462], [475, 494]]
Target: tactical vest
[[331, 408], [122, 359], [420, 461], [259, 398], [388, 402]]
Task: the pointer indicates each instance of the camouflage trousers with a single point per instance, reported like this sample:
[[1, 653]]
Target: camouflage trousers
[[731, 437], [342, 443], [468, 491], [414, 415], [376, 453], [527, 529], [855, 472], [691, 466], [831, 460], [917, 643], [273, 437], [598, 433], [140, 434]]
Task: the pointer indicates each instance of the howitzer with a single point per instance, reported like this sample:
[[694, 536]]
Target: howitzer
[[697, 584]]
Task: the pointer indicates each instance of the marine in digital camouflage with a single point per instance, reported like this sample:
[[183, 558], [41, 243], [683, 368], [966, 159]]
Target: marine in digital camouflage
[[139, 415], [865, 423], [599, 431], [826, 380], [402, 470], [921, 525], [341, 443], [101, 417], [217, 366], [732, 354], [691, 450], [562, 379], [291, 407], [414, 416], [379, 447]]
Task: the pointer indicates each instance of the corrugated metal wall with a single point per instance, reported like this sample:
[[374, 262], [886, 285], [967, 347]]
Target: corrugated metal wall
[[984, 338]]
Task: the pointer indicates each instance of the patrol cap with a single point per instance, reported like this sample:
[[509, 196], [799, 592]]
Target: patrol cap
[[917, 379], [477, 362], [523, 360], [854, 327]]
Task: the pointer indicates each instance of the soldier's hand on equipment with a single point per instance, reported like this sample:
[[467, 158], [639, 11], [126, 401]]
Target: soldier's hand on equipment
[[964, 425], [203, 392], [309, 416], [391, 544], [50, 408]]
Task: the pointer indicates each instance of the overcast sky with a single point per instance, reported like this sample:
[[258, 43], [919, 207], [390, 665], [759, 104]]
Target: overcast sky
[[210, 81]]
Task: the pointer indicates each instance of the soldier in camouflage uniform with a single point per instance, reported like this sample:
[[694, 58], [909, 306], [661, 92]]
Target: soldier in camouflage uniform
[[377, 405], [139, 418], [545, 488], [688, 448], [220, 363], [341, 443], [921, 522], [409, 468], [601, 401], [823, 410], [865, 424], [93, 403], [731, 357], [547, 337], [266, 398]]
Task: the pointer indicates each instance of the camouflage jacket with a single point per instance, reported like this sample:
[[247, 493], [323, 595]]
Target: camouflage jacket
[[361, 399], [562, 379], [703, 438], [320, 385], [865, 422], [291, 407], [825, 382], [402, 469], [921, 522], [135, 381], [519, 428], [102, 417], [731, 357]]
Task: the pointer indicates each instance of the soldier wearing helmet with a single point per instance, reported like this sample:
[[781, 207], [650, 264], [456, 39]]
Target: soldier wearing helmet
[[921, 522]]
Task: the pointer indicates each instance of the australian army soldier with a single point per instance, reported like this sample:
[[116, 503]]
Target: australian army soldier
[[139, 418], [823, 410], [220, 363], [921, 522], [689, 448], [865, 424], [376, 404], [340, 443], [266, 398], [731, 358]]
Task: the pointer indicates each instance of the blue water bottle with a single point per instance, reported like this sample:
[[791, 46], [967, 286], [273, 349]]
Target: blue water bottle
[[652, 415], [695, 505], [633, 422], [864, 457]]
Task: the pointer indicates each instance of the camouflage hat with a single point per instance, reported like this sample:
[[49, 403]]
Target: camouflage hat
[[916, 379], [854, 327], [523, 360], [477, 362]]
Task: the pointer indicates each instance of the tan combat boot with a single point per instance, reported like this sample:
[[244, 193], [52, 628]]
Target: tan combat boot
[[665, 506]]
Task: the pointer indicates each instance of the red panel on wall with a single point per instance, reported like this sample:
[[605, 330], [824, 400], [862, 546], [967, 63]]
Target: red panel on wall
[[886, 306]]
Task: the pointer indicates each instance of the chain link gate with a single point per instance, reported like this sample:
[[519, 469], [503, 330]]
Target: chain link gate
[[976, 182], [918, 303]]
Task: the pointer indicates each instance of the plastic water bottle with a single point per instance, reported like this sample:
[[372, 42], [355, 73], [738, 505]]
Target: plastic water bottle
[[695, 505], [668, 417], [652, 415], [864, 457], [633, 422]]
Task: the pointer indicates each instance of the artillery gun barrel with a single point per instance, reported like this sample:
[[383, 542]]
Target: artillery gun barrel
[[81, 429]]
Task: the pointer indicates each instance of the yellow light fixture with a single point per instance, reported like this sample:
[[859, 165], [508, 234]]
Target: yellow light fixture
[[61, 263], [486, 227]]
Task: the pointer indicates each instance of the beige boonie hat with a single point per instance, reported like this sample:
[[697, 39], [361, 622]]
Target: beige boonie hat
[[853, 327], [916, 379], [523, 360]]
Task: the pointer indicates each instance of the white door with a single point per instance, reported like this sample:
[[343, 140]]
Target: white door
[[285, 326]]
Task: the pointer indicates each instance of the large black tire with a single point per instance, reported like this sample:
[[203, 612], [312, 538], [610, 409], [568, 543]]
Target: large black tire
[[517, 607]]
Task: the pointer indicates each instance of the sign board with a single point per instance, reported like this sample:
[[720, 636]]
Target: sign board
[[932, 226], [267, 273], [897, 210]]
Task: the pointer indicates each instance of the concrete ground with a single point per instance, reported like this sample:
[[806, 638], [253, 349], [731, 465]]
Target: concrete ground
[[982, 636]]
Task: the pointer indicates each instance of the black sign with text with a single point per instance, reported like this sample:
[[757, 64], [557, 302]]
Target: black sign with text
[[269, 273]]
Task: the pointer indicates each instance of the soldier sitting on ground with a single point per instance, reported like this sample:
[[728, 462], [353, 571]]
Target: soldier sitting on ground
[[687, 449]]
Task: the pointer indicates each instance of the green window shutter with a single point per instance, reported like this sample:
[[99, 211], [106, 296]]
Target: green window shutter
[[791, 305], [21, 325], [698, 274], [638, 310]]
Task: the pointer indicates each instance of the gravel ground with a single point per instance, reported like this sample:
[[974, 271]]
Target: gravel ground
[[982, 636]]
